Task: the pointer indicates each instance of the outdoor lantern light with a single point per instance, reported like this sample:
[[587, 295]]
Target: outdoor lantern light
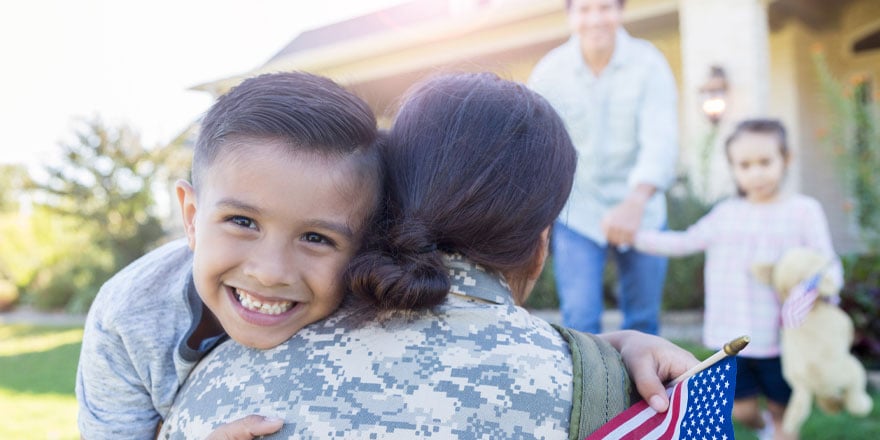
[[714, 94]]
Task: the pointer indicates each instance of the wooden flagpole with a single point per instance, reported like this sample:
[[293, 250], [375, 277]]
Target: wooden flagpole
[[730, 349]]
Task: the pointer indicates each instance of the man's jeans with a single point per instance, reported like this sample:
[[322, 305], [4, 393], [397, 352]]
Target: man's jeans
[[579, 263]]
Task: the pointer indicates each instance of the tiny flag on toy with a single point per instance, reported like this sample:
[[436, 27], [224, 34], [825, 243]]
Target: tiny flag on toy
[[800, 301], [700, 405]]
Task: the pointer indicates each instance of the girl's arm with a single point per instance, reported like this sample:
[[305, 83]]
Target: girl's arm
[[817, 235], [677, 243]]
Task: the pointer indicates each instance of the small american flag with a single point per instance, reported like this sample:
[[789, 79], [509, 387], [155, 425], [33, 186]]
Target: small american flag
[[800, 301], [699, 408]]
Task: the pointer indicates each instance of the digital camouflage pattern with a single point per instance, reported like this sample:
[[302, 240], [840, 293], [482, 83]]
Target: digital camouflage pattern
[[476, 367]]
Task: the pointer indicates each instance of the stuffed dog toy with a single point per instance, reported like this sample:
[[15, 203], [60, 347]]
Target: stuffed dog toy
[[816, 359]]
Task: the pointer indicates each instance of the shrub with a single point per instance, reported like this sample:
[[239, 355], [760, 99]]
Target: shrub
[[544, 295], [8, 295], [860, 298], [70, 284], [684, 287], [854, 140]]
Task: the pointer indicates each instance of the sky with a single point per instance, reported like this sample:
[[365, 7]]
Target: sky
[[132, 62]]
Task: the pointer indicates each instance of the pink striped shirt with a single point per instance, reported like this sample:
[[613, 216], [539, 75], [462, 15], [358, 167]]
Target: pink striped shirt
[[736, 234]]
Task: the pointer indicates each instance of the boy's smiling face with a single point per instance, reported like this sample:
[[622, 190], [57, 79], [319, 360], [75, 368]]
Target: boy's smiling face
[[272, 230]]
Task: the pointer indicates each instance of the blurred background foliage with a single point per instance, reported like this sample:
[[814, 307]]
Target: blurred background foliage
[[67, 228], [854, 141]]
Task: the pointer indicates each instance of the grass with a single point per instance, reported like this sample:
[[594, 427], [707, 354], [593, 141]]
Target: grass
[[38, 368]]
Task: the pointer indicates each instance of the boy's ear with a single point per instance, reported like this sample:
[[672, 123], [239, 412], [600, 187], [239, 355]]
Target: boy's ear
[[186, 195]]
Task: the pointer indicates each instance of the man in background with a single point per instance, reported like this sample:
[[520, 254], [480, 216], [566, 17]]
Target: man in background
[[617, 97]]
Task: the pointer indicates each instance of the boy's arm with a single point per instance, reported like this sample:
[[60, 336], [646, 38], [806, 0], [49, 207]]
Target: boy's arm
[[113, 400]]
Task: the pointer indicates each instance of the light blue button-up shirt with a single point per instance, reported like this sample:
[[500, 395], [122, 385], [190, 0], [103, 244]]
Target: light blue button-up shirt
[[624, 124]]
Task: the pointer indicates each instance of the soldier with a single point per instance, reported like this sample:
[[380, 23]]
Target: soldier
[[433, 341]]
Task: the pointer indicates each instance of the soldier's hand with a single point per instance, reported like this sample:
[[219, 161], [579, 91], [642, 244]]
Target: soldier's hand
[[651, 361], [247, 428]]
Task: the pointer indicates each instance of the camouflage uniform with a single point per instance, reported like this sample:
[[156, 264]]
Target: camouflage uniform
[[476, 366]]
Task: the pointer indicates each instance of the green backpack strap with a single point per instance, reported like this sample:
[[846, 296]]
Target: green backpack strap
[[602, 386]]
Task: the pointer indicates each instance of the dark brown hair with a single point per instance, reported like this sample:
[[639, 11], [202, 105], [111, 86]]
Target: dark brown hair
[[307, 112], [475, 165]]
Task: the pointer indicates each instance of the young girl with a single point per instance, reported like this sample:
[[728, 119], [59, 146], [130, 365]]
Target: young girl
[[757, 225]]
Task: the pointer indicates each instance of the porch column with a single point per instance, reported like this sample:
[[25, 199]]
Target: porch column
[[732, 34]]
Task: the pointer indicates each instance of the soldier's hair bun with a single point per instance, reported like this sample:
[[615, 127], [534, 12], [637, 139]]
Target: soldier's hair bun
[[474, 165]]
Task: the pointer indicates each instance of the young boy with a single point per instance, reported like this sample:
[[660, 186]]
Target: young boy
[[284, 179]]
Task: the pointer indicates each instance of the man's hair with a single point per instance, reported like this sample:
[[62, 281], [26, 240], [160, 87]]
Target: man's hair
[[620, 3], [475, 165], [307, 112]]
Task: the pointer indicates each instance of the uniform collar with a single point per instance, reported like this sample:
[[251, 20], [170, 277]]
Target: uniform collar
[[472, 280]]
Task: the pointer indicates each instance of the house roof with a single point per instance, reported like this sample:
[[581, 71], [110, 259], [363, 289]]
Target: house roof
[[418, 33], [403, 15]]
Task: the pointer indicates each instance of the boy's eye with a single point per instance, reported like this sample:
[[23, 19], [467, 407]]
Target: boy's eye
[[314, 237], [242, 221]]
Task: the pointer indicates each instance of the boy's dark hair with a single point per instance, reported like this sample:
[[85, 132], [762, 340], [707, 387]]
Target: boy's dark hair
[[620, 3], [308, 112], [474, 165], [761, 126]]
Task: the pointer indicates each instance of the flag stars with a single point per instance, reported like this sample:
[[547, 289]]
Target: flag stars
[[705, 402]]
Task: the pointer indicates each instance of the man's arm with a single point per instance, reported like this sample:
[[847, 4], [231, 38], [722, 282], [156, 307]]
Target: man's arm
[[658, 152]]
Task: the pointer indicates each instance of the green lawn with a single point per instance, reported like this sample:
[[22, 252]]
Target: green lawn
[[38, 365], [37, 375]]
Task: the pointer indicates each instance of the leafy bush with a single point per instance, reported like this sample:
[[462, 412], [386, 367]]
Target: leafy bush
[[684, 287], [854, 140], [544, 295], [860, 298], [71, 284], [8, 295]]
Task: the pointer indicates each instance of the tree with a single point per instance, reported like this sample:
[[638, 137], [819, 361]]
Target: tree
[[12, 182], [105, 183], [106, 180]]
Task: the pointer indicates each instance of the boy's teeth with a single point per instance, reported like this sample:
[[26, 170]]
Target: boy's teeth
[[255, 305]]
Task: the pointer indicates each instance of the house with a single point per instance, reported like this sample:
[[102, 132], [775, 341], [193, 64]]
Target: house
[[765, 48]]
